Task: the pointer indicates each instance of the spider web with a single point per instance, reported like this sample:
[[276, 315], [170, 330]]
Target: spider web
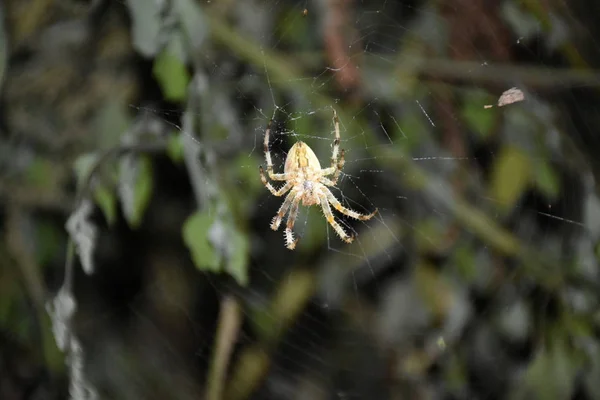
[[429, 299]]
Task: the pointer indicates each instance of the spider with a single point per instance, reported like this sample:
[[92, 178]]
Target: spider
[[307, 182]]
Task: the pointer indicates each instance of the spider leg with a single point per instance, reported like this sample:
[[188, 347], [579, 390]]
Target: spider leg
[[336, 165], [290, 242], [346, 211], [331, 219], [326, 181], [340, 165], [337, 169], [275, 192], [285, 206], [273, 176], [336, 141]]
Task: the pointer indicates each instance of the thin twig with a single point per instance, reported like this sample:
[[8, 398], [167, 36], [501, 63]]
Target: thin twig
[[470, 72], [254, 361], [29, 271], [36, 198], [335, 28], [230, 320]]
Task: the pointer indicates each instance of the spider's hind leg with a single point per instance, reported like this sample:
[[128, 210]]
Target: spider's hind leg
[[334, 224], [290, 242], [346, 211], [285, 206]]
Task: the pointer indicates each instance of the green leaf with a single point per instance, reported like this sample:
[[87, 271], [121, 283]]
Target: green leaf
[[48, 238], [83, 167], [110, 122], [477, 118], [134, 206], [143, 189], [262, 320], [53, 356], [209, 238], [511, 175], [104, 197], [193, 22], [547, 180], [175, 148], [551, 375], [171, 73], [42, 173], [237, 263], [107, 201], [146, 25], [578, 326], [435, 290], [522, 21], [464, 260], [196, 237], [455, 373]]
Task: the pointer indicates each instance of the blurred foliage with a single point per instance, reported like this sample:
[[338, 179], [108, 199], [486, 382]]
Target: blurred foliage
[[135, 227], [510, 177], [171, 73]]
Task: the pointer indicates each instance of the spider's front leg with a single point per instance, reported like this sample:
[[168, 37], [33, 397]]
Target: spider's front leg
[[336, 164], [340, 166], [272, 175], [336, 141], [276, 192]]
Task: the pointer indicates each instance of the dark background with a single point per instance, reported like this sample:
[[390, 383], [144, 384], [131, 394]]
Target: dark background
[[136, 259]]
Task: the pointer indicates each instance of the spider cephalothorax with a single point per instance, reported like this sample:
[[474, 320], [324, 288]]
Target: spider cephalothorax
[[307, 182]]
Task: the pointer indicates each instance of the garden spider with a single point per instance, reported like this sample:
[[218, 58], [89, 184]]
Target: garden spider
[[306, 181]]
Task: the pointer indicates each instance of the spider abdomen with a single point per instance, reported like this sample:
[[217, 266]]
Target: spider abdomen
[[301, 158]]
